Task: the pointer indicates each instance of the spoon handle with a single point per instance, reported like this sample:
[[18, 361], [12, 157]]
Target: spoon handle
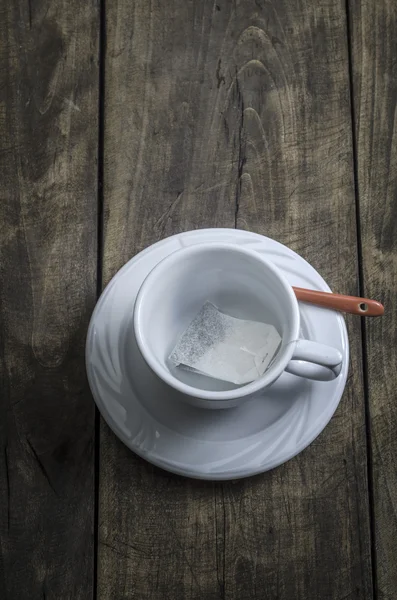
[[349, 304]]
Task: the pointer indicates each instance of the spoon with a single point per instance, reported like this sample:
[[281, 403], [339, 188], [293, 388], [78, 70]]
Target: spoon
[[349, 304]]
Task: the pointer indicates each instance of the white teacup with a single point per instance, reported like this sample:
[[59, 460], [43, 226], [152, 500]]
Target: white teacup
[[240, 283]]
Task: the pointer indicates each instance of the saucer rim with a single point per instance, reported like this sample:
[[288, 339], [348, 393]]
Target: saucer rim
[[190, 472]]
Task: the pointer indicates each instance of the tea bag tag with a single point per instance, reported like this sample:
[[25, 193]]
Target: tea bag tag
[[226, 348]]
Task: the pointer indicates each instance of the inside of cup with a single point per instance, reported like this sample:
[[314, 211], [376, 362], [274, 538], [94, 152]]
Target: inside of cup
[[237, 283]]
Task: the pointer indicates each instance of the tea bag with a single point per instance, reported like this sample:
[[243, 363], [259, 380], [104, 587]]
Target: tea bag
[[226, 348]]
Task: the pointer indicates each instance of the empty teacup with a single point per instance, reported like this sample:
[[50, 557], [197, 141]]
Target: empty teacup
[[242, 284]]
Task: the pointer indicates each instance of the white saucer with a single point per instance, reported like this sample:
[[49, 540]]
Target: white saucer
[[208, 444]]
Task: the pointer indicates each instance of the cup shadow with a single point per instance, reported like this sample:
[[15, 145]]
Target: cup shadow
[[169, 407]]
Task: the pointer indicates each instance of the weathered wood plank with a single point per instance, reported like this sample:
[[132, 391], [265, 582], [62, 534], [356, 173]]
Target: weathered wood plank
[[48, 208], [374, 45], [235, 114]]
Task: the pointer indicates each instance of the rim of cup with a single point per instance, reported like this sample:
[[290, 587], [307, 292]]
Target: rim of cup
[[163, 373]]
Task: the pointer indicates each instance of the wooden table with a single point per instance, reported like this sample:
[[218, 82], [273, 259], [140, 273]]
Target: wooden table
[[123, 122]]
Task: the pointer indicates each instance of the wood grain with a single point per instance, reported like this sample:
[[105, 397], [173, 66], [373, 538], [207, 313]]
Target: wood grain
[[235, 114], [48, 208], [374, 45]]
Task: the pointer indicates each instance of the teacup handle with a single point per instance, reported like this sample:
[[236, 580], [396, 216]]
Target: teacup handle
[[308, 356]]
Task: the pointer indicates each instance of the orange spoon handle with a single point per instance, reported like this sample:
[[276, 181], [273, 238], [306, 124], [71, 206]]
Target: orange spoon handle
[[349, 304]]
